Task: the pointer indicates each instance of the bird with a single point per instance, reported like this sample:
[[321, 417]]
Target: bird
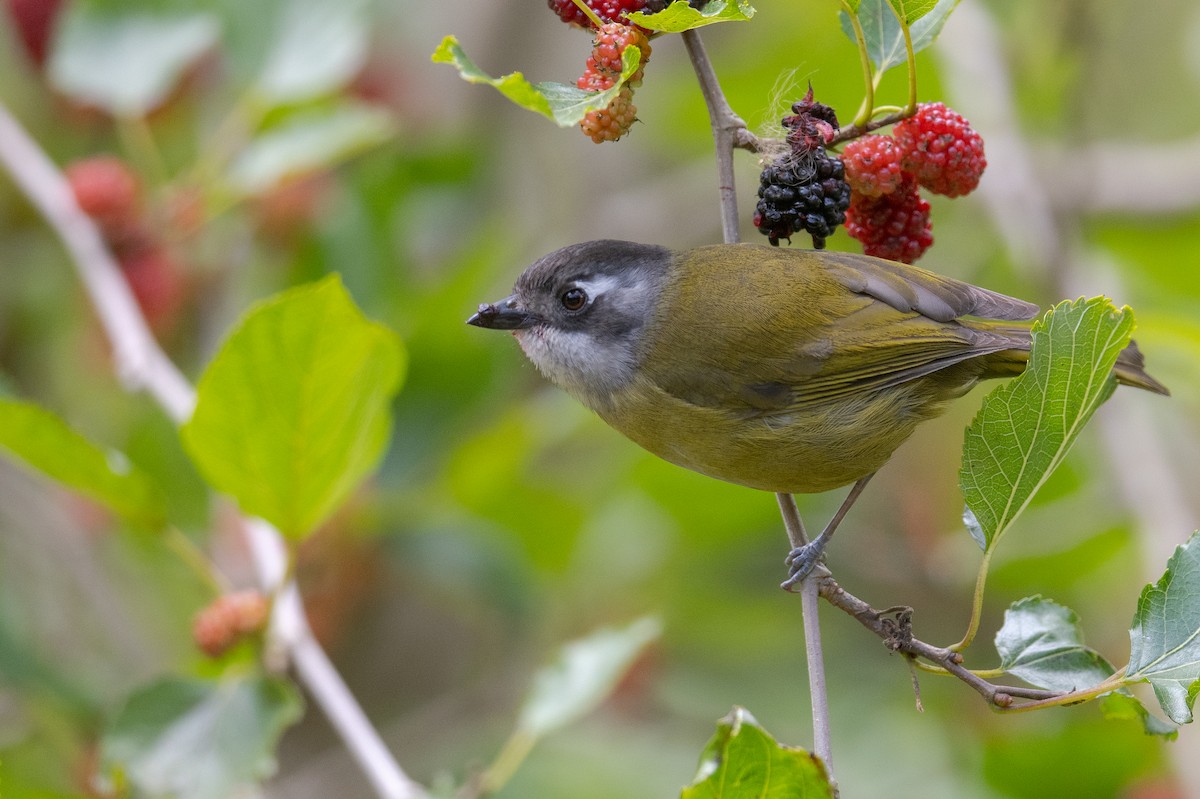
[[785, 370]]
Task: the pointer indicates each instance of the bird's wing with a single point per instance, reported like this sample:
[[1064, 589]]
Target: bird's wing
[[910, 288], [799, 329]]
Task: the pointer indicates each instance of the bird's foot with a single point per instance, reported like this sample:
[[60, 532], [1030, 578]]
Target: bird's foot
[[802, 560]]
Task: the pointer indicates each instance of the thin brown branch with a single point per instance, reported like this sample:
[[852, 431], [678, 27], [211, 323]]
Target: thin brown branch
[[855, 131], [894, 627]]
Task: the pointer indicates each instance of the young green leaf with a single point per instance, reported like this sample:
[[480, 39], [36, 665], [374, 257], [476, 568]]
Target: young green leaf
[[45, 442], [308, 141], [884, 36], [680, 16], [127, 57], [1123, 706], [194, 739], [1026, 427], [1042, 643], [1165, 634], [566, 104], [743, 761], [294, 410], [585, 672]]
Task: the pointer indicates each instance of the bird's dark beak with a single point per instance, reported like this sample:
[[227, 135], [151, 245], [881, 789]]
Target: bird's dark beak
[[503, 315]]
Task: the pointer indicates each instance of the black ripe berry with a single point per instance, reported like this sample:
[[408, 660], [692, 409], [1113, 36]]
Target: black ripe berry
[[805, 191]]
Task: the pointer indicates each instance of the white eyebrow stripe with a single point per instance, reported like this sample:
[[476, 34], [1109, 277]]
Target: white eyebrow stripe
[[598, 285]]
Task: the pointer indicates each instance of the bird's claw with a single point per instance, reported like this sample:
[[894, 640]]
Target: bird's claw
[[801, 561]]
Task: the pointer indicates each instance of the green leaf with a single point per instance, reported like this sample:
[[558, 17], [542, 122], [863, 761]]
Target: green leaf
[[911, 10], [680, 16], [309, 141], [319, 47], [743, 761], [565, 104], [585, 672], [1026, 427], [1124, 706], [194, 739], [45, 442], [1042, 643], [127, 57], [294, 410], [884, 36], [1165, 634]]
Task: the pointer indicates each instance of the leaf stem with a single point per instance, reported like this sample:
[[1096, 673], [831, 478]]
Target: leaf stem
[[195, 559], [976, 604], [1071, 697], [866, 110], [511, 756], [911, 57], [591, 15]]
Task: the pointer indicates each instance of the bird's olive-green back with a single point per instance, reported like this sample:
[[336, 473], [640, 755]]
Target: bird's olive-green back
[[757, 329]]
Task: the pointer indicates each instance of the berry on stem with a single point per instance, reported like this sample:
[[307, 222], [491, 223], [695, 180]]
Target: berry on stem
[[894, 226], [609, 45], [606, 10], [807, 192], [229, 619], [873, 165], [612, 122], [941, 149], [105, 188]]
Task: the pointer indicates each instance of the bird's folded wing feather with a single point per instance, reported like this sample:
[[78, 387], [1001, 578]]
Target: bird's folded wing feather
[[879, 324]]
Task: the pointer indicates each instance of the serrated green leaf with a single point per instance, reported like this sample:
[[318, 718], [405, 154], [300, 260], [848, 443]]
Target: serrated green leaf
[[45, 442], [319, 47], [743, 761], [1026, 427], [308, 141], [1124, 706], [1165, 634], [680, 16], [1042, 643], [199, 739], [884, 36], [566, 104], [912, 10], [294, 410], [585, 672], [127, 57]]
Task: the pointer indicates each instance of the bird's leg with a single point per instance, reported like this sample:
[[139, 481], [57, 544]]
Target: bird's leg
[[802, 560]]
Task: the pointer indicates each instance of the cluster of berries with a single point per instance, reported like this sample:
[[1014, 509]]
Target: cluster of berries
[[609, 10], [603, 70], [108, 191], [805, 188], [228, 620], [935, 148]]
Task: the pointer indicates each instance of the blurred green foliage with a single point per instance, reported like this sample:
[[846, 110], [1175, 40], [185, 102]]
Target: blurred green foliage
[[505, 519]]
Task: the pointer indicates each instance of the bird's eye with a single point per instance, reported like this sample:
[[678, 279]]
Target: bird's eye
[[574, 299]]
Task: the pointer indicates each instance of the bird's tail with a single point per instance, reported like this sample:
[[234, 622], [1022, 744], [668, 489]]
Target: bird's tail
[[1130, 368]]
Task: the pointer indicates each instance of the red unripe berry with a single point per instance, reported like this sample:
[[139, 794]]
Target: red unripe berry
[[609, 45], [942, 150], [873, 165], [105, 188], [158, 284], [228, 619], [895, 226], [613, 122], [607, 10]]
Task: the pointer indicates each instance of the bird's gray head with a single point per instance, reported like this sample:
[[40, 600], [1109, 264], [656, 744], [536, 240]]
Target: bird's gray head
[[579, 313]]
